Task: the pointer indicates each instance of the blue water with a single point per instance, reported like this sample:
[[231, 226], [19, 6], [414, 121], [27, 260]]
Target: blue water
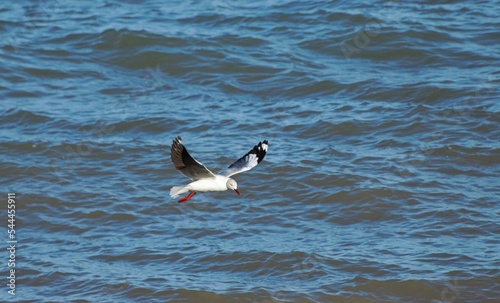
[[380, 183]]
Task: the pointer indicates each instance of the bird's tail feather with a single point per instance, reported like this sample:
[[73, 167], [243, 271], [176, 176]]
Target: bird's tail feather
[[178, 190]]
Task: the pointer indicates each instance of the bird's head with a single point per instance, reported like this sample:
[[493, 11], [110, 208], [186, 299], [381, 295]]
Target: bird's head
[[231, 184]]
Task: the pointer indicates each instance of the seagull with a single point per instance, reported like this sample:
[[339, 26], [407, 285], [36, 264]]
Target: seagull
[[203, 179]]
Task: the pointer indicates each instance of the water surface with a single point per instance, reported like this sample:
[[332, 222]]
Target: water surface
[[381, 180]]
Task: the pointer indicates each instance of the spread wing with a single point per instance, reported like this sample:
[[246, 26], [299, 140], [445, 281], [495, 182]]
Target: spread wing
[[186, 164], [248, 161]]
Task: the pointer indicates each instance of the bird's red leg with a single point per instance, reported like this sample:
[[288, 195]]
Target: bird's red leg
[[189, 196]]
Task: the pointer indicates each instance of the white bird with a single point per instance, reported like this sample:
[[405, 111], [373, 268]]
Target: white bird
[[203, 179]]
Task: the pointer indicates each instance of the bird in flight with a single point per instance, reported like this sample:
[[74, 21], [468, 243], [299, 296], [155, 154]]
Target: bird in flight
[[203, 179]]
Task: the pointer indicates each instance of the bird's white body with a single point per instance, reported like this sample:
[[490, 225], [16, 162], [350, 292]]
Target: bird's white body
[[203, 185]]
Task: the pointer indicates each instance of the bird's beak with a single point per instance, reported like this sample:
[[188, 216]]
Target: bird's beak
[[237, 191]]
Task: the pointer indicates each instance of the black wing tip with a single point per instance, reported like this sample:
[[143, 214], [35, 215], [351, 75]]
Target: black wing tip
[[260, 151], [176, 151], [261, 147], [177, 144]]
